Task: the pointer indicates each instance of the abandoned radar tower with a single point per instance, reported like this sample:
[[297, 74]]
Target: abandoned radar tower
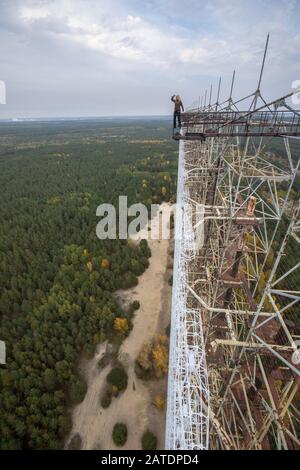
[[234, 369]]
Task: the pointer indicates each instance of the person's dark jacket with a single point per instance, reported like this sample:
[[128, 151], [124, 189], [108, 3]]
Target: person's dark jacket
[[178, 105]]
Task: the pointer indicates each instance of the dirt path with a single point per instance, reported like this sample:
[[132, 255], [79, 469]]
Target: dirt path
[[133, 407]]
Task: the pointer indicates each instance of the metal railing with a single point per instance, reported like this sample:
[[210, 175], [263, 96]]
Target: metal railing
[[240, 123]]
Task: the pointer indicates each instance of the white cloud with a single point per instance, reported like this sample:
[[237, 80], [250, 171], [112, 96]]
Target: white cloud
[[30, 14], [130, 49], [121, 34], [134, 39]]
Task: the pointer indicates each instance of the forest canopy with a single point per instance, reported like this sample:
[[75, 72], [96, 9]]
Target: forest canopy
[[57, 278]]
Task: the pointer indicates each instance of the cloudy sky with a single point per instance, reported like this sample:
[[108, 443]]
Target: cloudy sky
[[126, 57]]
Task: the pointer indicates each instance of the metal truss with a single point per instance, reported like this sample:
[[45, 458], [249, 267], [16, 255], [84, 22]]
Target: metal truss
[[188, 403], [260, 122], [235, 329]]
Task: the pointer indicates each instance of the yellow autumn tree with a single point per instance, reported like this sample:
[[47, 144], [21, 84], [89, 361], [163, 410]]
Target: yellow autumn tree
[[104, 263], [159, 403], [89, 265], [160, 355], [121, 325], [153, 358]]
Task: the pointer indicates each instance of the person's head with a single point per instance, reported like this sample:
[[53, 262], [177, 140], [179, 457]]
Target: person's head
[[177, 99]]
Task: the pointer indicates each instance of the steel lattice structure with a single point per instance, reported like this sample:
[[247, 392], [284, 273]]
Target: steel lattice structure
[[234, 369]]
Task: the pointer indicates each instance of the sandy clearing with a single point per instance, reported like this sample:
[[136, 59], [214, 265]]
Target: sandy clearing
[[133, 407]]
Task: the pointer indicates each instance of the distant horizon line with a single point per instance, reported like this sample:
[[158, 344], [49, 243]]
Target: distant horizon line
[[65, 118]]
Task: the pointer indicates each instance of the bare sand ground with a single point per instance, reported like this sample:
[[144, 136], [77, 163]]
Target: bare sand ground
[[134, 406]]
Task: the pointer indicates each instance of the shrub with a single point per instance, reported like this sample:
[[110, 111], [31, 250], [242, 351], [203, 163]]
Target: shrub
[[75, 443], [77, 391], [104, 361], [135, 305], [118, 378], [119, 434], [105, 399], [144, 248], [172, 224], [149, 441]]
